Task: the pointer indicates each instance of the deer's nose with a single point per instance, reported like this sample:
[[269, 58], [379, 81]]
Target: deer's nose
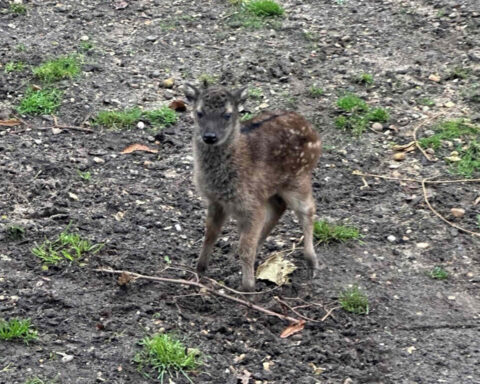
[[209, 137]]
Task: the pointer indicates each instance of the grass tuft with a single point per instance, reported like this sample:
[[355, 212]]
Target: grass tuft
[[14, 66], [325, 232], [57, 69], [315, 92], [17, 329], [448, 130], [67, 247], [165, 355], [40, 102], [15, 232], [18, 9], [126, 119], [354, 300], [265, 8], [364, 78], [357, 115], [438, 273]]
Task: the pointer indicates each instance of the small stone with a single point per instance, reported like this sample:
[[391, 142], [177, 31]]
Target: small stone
[[73, 196], [423, 245], [449, 104], [140, 125], [391, 238], [434, 78], [56, 131], [399, 156], [168, 83], [457, 212], [66, 358], [151, 38], [178, 228], [377, 127], [430, 151], [84, 38], [474, 54], [98, 160]]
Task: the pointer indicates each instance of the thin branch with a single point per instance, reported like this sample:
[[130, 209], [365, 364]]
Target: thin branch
[[329, 313], [205, 288], [425, 196], [295, 311], [427, 181], [421, 124]]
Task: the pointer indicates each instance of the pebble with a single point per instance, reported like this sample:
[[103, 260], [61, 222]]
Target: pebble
[[377, 127], [457, 212], [98, 160], [178, 228], [434, 78], [56, 131], [399, 156], [168, 83], [140, 125], [84, 38], [449, 104], [151, 38], [391, 238], [423, 245]]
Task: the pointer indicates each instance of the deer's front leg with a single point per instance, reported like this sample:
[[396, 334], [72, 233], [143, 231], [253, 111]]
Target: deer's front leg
[[215, 218], [250, 230]]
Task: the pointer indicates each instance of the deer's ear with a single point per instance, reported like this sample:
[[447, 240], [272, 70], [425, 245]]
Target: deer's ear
[[191, 92], [240, 95]]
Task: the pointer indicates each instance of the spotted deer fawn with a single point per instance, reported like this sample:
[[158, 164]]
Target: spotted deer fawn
[[251, 171]]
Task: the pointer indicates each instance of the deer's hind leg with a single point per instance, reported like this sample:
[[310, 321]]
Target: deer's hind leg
[[300, 200], [276, 206]]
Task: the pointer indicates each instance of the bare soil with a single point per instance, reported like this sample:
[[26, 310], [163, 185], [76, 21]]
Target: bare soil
[[144, 208]]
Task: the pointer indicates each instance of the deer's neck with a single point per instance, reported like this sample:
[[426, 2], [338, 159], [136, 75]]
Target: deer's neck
[[215, 171]]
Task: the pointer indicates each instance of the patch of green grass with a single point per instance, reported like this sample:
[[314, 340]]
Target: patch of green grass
[[255, 93], [14, 66], [265, 8], [246, 116], [315, 92], [17, 329], [20, 47], [351, 103], [357, 115], [460, 73], [448, 130], [67, 246], [426, 101], [438, 273], [57, 69], [354, 300], [326, 232], [119, 119], [162, 117], [40, 102], [378, 115], [364, 78], [15, 232], [470, 160], [18, 9], [164, 356], [126, 119], [86, 176], [86, 46]]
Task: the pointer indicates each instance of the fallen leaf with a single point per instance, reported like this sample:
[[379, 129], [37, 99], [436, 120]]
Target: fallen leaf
[[124, 279], [168, 83], [275, 269], [10, 123], [139, 147], [434, 78], [178, 105], [245, 377], [292, 329], [316, 370]]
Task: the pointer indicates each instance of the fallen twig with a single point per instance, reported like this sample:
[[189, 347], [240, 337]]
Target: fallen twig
[[425, 196], [203, 287], [421, 124], [423, 182], [295, 311]]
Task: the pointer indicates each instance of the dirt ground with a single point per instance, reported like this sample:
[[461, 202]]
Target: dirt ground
[[144, 207]]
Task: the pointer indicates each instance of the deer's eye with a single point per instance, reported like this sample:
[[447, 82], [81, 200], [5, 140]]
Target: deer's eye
[[199, 114], [227, 116]]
